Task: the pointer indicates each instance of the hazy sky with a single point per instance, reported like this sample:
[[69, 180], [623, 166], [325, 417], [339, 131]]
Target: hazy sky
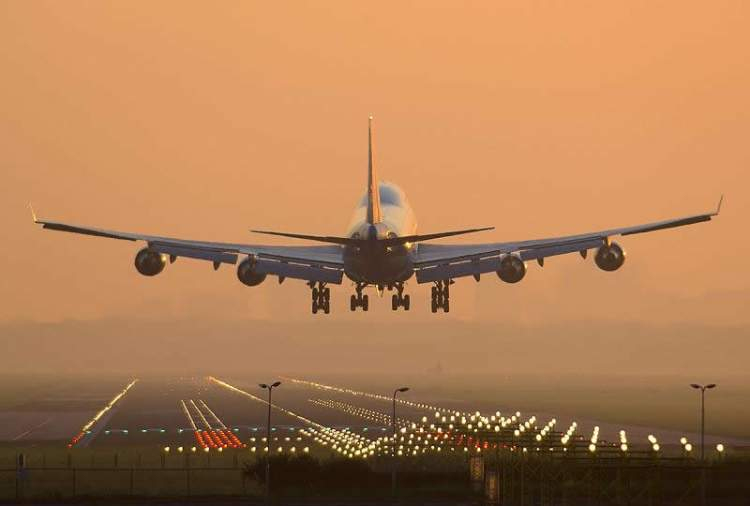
[[540, 118]]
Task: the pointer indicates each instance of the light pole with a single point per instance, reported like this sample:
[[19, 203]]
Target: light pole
[[268, 437], [393, 456], [703, 389]]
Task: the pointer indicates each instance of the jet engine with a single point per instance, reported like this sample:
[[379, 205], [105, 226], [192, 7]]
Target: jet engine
[[610, 257], [247, 274], [149, 262], [512, 269]]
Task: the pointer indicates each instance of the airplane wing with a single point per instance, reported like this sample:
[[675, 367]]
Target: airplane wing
[[435, 262], [310, 263]]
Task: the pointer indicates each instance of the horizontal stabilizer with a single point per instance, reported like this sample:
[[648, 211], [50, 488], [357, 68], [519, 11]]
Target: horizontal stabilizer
[[428, 237], [391, 241], [306, 237]]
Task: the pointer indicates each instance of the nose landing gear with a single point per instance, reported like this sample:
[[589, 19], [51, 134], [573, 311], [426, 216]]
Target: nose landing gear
[[441, 295], [321, 297], [359, 300], [399, 299]]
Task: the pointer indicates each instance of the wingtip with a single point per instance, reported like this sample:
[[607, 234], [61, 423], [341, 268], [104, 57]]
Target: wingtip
[[718, 206], [33, 214]]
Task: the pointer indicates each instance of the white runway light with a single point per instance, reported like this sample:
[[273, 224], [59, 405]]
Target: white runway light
[[101, 413]]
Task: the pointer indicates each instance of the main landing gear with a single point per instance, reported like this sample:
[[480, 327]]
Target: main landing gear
[[441, 295], [321, 297], [359, 300], [399, 299]]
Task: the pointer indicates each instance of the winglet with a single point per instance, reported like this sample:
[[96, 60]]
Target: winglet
[[718, 207], [33, 214]]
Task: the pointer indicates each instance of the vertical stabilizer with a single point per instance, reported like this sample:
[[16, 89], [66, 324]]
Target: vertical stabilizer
[[373, 189]]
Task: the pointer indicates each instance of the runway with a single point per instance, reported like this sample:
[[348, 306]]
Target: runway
[[212, 413]]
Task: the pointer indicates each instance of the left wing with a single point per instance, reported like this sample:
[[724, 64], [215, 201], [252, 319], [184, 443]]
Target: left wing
[[310, 263], [435, 262]]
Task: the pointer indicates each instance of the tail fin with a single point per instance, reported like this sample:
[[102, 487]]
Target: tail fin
[[373, 188]]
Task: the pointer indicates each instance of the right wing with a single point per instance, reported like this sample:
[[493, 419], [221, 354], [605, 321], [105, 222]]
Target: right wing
[[435, 262], [310, 263]]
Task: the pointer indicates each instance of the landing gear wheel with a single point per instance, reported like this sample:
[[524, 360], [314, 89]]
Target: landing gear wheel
[[358, 299], [325, 295], [440, 296], [399, 299], [321, 297], [365, 302]]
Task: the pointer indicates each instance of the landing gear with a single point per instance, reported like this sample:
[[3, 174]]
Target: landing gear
[[399, 299], [321, 297], [359, 300], [441, 296]]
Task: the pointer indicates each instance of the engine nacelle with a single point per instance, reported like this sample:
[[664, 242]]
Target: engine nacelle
[[512, 269], [247, 274], [610, 258], [149, 262]]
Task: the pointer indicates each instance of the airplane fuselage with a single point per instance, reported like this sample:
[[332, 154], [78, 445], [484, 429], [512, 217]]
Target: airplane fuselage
[[375, 263]]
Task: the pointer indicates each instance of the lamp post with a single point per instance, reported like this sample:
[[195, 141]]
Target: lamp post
[[268, 437], [393, 422], [703, 389]]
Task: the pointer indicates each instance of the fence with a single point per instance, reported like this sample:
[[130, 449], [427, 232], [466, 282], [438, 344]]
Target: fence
[[518, 479], [109, 474]]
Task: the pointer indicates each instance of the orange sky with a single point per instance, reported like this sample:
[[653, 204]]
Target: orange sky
[[540, 118]]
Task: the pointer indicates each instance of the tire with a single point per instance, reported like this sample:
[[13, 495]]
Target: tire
[[315, 307], [315, 294], [394, 302], [327, 307], [353, 303], [434, 305], [365, 303], [328, 294], [446, 306], [407, 301]]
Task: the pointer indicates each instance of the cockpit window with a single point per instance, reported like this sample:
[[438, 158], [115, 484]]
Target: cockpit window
[[389, 196]]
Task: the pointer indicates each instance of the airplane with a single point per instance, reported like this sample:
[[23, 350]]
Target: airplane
[[381, 248]]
